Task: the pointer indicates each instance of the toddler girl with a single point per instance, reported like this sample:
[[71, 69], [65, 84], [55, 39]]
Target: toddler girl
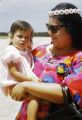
[[17, 63]]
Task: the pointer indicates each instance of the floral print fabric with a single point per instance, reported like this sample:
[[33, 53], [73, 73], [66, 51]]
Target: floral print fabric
[[66, 70]]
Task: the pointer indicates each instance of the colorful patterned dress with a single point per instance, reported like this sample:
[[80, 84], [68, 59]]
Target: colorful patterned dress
[[65, 70]]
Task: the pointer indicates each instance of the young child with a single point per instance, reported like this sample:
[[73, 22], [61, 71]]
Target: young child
[[17, 63]]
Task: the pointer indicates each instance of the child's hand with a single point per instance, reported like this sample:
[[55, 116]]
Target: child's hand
[[18, 92], [30, 48]]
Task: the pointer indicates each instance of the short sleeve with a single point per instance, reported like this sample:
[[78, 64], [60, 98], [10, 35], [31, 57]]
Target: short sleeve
[[10, 54]]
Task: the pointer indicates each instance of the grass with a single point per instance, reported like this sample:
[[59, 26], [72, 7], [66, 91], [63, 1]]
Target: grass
[[3, 37]]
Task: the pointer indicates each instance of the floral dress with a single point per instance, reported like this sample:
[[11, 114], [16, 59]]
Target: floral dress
[[65, 70]]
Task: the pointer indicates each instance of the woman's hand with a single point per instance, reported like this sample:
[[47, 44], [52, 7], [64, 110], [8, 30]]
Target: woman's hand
[[18, 92]]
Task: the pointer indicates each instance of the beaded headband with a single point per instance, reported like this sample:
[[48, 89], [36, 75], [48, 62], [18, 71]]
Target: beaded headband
[[64, 12]]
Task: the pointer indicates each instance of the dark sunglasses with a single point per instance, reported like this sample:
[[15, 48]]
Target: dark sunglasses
[[54, 28]]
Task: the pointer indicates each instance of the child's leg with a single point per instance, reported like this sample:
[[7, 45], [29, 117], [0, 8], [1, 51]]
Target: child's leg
[[32, 109]]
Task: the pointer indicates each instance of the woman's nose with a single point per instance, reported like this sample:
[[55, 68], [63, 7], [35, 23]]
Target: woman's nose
[[51, 33], [23, 39]]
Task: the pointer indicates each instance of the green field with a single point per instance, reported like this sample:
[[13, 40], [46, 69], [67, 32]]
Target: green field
[[3, 37]]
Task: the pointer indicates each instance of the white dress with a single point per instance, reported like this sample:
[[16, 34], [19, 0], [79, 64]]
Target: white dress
[[23, 60]]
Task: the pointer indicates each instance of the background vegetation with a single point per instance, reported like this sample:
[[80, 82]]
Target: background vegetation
[[36, 34]]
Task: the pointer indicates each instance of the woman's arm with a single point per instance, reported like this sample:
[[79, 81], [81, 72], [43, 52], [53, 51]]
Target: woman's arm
[[49, 91], [18, 75]]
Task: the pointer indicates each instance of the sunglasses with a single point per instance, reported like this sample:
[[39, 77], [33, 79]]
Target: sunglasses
[[54, 28]]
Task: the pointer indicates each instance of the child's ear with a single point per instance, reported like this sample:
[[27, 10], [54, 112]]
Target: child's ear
[[10, 35]]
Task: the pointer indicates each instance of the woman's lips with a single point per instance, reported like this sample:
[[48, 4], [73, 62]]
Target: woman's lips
[[22, 43]]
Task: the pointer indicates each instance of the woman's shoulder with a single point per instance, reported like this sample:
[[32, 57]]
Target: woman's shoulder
[[78, 56], [79, 53], [39, 51]]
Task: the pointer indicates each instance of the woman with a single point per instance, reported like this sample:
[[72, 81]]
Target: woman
[[59, 62]]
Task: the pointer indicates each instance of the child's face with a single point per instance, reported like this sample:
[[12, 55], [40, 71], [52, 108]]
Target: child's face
[[22, 39]]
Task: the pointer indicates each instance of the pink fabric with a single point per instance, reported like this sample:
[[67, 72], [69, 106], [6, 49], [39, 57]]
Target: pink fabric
[[65, 70]]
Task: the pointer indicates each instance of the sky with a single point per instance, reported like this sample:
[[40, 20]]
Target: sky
[[33, 11]]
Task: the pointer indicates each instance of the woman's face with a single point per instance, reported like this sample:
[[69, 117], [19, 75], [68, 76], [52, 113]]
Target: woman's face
[[60, 37]]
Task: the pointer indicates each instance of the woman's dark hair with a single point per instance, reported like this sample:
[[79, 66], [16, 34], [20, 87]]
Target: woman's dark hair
[[72, 23], [21, 25]]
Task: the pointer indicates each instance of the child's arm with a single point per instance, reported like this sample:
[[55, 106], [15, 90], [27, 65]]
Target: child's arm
[[20, 76]]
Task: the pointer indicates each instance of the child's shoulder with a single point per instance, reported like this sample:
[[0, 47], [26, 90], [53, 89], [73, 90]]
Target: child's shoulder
[[10, 54], [10, 49]]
